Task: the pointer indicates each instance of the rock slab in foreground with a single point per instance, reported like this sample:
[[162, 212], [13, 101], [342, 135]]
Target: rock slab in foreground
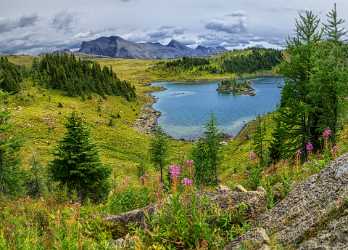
[[313, 216]]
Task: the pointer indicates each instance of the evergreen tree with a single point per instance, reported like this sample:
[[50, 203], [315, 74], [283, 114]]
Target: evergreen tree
[[333, 29], [10, 76], [10, 175], [297, 114], [77, 165], [206, 155], [158, 150]]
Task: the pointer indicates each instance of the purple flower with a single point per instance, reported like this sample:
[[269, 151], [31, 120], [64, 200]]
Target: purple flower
[[189, 163], [327, 133], [252, 156], [174, 171], [187, 182], [309, 147]]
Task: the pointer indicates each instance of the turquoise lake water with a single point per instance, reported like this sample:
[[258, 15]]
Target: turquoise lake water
[[186, 107]]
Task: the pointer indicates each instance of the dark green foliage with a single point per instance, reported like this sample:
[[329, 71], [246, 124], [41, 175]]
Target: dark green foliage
[[10, 175], [80, 77], [257, 59], [10, 76], [205, 155], [77, 165], [187, 63], [158, 150], [248, 61]]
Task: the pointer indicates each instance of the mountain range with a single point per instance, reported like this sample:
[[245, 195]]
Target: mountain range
[[117, 47]]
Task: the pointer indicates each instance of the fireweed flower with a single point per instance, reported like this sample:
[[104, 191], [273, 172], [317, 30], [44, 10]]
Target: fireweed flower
[[187, 182], [327, 133], [252, 156], [309, 147], [174, 171], [189, 163]]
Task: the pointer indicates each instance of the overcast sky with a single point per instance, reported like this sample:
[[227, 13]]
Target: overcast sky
[[35, 26]]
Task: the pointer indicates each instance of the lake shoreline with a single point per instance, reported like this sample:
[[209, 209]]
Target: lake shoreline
[[149, 116]]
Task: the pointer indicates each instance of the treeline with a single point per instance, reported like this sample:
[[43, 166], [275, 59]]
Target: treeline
[[256, 59], [244, 61], [11, 76], [187, 63], [79, 77]]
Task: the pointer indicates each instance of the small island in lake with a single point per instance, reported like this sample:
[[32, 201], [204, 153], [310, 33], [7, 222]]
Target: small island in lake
[[236, 87]]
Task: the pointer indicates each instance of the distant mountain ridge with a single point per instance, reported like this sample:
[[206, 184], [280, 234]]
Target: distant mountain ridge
[[117, 47]]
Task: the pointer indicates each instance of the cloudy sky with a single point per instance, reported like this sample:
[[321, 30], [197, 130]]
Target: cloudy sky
[[35, 26]]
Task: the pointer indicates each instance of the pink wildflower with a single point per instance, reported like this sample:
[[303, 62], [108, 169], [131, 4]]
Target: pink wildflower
[[309, 147], [187, 182], [252, 156], [327, 133], [189, 163], [174, 171]]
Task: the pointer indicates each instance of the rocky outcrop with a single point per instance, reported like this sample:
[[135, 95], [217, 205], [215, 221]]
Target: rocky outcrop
[[115, 46], [312, 216]]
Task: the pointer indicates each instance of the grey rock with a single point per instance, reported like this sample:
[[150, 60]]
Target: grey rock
[[314, 214]]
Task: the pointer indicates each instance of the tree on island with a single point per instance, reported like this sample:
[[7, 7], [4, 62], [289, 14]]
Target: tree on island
[[77, 165], [158, 150], [205, 155]]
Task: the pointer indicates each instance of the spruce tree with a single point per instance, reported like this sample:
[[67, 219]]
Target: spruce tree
[[298, 116], [206, 155], [158, 150], [77, 165], [10, 174], [10, 76]]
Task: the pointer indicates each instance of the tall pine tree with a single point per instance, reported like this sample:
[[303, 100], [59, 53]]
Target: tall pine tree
[[206, 155]]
